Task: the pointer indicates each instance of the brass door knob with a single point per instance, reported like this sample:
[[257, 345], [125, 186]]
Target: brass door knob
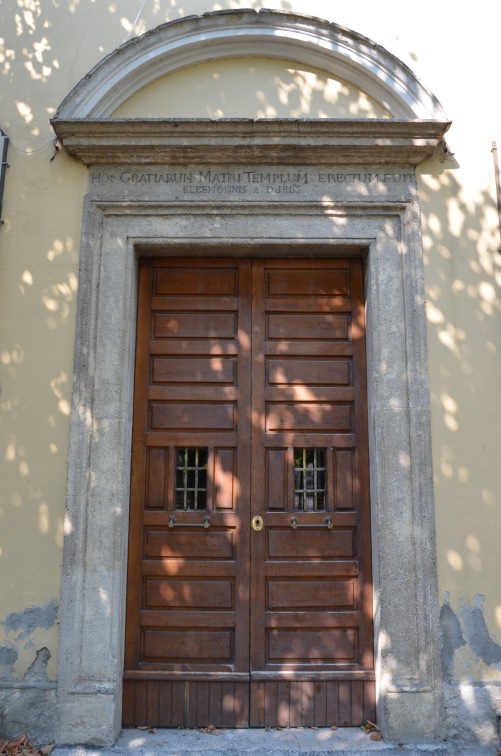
[[257, 523]]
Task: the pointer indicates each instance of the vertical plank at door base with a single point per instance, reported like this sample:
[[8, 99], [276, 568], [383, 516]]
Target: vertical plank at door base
[[152, 702], [177, 704], [369, 701], [270, 705], [333, 703], [357, 701], [307, 704], [241, 705], [128, 703], [283, 704], [202, 704], [165, 703], [295, 700], [140, 700], [320, 704], [344, 704], [228, 705], [257, 704], [215, 704], [191, 704]]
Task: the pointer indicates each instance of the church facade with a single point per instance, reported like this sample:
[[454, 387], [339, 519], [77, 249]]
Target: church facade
[[249, 367]]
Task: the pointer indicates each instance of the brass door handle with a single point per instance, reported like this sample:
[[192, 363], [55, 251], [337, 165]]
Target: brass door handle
[[257, 523]]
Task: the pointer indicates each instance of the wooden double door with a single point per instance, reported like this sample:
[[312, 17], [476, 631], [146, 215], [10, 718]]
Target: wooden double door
[[249, 599]]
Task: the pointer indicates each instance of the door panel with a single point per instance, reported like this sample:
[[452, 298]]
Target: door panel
[[188, 582], [249, 401]]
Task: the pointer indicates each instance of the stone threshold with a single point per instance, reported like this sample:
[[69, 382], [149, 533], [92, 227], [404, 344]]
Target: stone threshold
[[265, 742]]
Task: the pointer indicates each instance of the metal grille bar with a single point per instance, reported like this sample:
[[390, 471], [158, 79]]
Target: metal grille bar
[[310, 479], [191, 478]]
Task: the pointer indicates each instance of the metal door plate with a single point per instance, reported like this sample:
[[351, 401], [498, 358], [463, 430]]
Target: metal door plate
[[257, 523]]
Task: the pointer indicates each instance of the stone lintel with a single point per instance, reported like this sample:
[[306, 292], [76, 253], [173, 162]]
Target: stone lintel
[[243, 141]]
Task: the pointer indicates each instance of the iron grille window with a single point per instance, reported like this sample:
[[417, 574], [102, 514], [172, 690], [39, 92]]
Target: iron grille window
[[191, 478], [310, 479]]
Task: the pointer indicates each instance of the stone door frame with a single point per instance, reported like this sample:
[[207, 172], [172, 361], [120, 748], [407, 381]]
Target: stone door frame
[[116, 232]]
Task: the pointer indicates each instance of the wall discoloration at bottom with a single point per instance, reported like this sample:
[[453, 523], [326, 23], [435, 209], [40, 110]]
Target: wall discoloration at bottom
[[29, 710], [27, 694], [470, 706], [451, 638], [468, 628], [477, 632], [21, 633], [470, 712], [29, 706]]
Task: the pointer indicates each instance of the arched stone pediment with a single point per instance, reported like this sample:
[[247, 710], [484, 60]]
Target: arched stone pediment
[[87, 129], [227, 34]]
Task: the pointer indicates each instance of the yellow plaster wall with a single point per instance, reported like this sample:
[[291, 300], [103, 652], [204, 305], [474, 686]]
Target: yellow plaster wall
[[45, 48], [39, 247], [250, 88]]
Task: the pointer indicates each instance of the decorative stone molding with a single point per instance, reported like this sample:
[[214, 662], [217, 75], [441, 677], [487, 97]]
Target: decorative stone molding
[[269, 34], [241, 141]]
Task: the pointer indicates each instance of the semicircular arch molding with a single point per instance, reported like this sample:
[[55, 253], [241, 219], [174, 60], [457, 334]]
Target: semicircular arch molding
[[271, 34]]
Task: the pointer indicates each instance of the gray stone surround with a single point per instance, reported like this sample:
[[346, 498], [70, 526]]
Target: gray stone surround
[[295, 210], [265, 188]]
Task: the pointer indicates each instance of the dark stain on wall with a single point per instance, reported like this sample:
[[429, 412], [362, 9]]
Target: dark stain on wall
[[477, 632], [452, 639], [38, 669], [31, 619], [8, 656]]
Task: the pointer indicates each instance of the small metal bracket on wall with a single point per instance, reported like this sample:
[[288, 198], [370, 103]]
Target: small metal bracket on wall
[[498, 187], [4, 145]]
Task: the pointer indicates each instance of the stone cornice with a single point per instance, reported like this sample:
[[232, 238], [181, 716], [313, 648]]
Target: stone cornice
[[242, 141]]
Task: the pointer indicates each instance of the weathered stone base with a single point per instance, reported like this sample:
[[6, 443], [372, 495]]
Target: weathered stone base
[[470, 712], [91, 718], [412, 717], [28, 708]]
